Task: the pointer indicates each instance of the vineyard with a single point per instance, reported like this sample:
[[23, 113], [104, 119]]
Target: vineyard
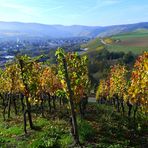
[[45, 105]]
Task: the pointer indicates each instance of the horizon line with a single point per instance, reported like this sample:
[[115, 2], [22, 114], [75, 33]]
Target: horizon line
[[72, 24]]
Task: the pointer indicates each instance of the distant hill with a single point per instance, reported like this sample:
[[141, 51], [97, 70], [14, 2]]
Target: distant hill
[[35, 30], [136, 42]]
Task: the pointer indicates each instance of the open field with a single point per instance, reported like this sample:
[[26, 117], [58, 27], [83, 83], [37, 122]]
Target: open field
[[136, 34], [136, 42], [126, 49]]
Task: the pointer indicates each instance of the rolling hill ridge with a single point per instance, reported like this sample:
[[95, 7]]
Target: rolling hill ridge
[[35, 30]]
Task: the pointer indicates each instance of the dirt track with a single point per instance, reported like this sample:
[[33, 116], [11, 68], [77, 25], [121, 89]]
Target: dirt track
[[91, 99]]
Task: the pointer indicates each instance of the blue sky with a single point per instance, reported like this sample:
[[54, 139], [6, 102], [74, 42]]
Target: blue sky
[[72, 12]]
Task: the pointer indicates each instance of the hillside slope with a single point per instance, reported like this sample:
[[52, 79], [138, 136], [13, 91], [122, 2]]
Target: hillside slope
[[136, 42]]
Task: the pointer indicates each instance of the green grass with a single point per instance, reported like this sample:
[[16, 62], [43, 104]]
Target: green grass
[[115, 130], [93, 44], [102, 127], [86, 131], [126, 49], [135, 34], [52, 134]]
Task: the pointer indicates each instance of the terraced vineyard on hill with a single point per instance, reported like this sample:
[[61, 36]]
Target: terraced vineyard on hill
[[135, 42]]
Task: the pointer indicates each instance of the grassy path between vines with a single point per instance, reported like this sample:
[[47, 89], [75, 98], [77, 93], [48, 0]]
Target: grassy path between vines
[[103, 127]]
